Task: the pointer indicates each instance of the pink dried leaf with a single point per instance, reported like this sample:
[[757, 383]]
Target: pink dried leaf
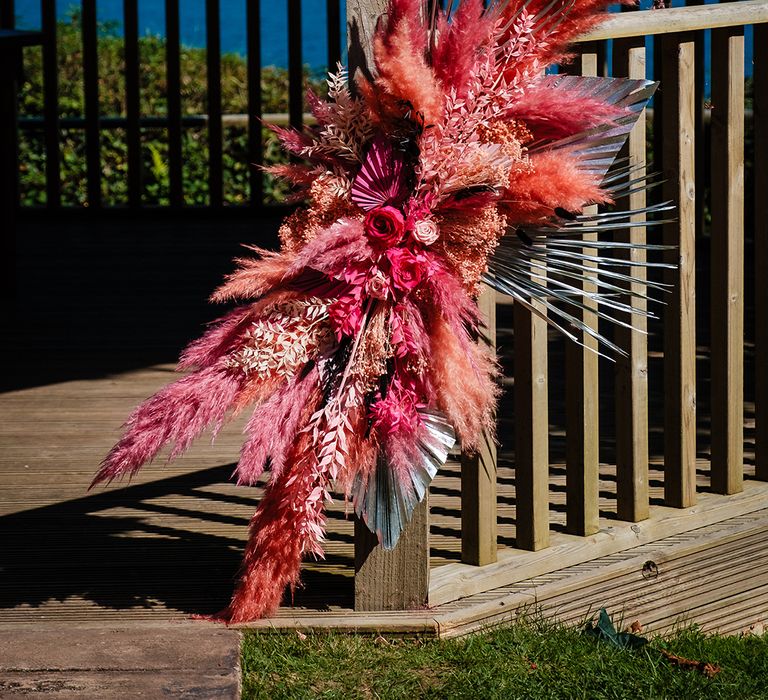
[[381, 180]]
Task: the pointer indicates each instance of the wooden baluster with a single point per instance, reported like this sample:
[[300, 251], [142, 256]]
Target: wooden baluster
[[631, 372], [727, 296], [295, 66], [701, 133], [333, 13], [531, 429], [173, 78], [478, 476], [581, 393], [760, 165], [396, 579], [51, 107], [678, 129]]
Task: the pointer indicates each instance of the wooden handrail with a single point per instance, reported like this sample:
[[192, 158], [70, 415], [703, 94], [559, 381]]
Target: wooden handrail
[[680, 19]]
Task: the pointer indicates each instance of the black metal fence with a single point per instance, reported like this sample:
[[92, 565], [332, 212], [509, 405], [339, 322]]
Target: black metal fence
[[49, 126]]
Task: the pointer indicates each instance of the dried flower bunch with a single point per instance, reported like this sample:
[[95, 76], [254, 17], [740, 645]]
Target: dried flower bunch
[[357, 345]]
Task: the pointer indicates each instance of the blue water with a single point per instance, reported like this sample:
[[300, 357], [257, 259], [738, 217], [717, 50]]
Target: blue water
[[274, 27]]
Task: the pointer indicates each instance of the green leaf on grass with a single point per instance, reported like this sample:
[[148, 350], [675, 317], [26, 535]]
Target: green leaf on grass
[[604, 630]]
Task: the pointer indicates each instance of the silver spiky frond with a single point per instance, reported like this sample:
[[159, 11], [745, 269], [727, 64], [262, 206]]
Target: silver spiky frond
[[383, 501], [556, 266], [597, 148], [577, 280]]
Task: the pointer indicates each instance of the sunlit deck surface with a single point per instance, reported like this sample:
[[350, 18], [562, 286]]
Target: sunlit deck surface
[[104, 308]]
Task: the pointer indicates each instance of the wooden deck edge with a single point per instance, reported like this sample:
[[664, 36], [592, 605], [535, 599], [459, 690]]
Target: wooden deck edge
[[488, 613], [408, 622], [619, 585], [455, 581]]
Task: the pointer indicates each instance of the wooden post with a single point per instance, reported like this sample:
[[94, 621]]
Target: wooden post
[[362, 16], [678, 128], [531, 430], [760, 161], [478, 477], [631, 372], [396, 579], [727, 296], [581, 393]]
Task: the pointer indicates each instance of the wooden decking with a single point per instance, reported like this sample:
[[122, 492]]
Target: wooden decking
[[100, 321]]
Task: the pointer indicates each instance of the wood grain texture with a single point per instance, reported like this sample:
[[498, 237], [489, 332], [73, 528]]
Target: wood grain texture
[[631, 372], [690, 569], [396, 579], [362, 16], [478, 475], [680, 19], [727, 281], [678, 125], [581, 393], [531, 430], [760, 161], [455, 581]]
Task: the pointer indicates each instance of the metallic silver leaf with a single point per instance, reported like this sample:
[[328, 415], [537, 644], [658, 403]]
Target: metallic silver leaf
[[383, 501]]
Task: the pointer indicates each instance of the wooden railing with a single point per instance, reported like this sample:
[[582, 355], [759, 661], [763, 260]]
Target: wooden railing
[[708, 239], [680, 143]]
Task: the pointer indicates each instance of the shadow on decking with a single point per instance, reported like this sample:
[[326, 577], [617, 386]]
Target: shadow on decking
[[82, 549]]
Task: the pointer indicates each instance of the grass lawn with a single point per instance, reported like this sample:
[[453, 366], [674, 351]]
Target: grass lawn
[[532, 659]]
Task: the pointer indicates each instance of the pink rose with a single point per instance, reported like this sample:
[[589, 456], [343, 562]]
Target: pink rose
[[385, 226], [425, 231], [408, 269]]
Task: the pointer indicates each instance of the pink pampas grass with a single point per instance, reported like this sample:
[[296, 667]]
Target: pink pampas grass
[[273, 427], [176, 415], [217, 340], [455, 52], [551, 113], [333, 250]]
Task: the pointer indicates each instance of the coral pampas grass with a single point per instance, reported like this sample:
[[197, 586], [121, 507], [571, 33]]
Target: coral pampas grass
[[465, 386], [555, 181], [400, 54]]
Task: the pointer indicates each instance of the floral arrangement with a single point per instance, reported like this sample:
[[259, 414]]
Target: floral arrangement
[[358, 347]]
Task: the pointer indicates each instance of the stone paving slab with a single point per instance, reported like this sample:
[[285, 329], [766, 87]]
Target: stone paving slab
[[83, 662]]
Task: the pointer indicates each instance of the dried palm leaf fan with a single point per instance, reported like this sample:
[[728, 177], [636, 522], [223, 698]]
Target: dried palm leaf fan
[[356, 345]]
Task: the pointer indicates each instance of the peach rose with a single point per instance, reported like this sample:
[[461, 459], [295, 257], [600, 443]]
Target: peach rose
[[425, 231]]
